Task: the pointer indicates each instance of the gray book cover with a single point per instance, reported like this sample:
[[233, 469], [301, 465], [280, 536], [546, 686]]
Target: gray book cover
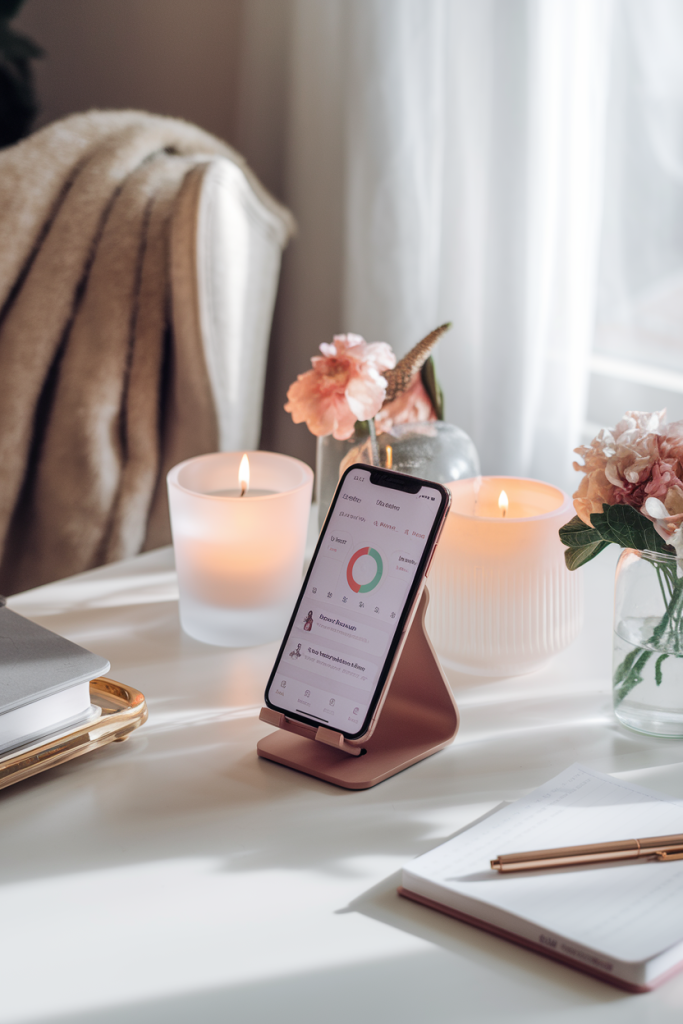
[[35, 662]]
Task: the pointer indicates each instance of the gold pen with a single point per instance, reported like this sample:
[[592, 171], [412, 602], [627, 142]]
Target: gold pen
[[659, 847]]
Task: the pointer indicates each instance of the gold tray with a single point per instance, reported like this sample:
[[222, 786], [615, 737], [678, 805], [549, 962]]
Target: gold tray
[[123, 710]]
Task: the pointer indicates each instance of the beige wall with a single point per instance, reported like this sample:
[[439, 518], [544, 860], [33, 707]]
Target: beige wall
[[173, 57], [221, 64]]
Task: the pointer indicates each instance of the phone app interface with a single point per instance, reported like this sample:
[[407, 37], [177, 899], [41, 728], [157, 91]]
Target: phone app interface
[[346, 620]]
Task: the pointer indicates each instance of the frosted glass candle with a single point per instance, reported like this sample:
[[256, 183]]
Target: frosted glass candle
[[502, 600], [238, 559]]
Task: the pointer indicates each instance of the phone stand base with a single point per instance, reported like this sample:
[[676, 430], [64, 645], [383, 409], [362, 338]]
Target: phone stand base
[[419, 717]]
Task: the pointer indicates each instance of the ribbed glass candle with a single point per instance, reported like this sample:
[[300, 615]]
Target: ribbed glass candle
[[502, 600]]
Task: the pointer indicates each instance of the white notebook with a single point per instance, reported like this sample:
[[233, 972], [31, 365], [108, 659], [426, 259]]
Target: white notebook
[[622, 921], [44, 682]]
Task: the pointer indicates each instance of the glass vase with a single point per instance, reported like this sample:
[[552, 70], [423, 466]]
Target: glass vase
[[647, 676], [434, 450], [329, 456]]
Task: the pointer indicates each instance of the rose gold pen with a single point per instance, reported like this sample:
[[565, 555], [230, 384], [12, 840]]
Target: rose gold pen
[[658, 847]]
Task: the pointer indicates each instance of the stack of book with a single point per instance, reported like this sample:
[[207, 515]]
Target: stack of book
[[44, 683]]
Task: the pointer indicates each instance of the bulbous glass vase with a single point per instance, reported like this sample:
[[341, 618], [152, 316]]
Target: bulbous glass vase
[[434, 450]]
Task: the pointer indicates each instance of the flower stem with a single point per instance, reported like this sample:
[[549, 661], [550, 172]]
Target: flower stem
[[629, 674], [658, 668], [661, 584], [374, 449]]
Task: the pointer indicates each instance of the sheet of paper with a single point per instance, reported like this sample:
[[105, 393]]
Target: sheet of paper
[[628, 911]]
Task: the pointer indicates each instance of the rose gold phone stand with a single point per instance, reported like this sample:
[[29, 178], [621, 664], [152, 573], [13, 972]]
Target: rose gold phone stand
[[418, 717]]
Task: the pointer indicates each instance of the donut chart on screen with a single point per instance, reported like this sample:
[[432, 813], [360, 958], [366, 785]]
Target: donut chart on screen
[[363, 588]]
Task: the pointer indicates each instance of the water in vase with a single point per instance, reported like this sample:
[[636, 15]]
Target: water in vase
[[648, 677]]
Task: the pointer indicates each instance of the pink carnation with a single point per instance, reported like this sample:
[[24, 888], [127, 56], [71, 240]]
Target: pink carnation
[[345, 385], [412, 406]]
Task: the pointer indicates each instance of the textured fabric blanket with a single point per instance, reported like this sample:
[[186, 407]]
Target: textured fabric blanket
[[103, 384]]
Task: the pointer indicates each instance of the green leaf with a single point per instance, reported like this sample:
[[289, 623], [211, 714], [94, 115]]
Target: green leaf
[[583, 543], [575, 557], [632, 675], [575, 533], [616, 524], [658, 669], [625, 526], [431, 386], [623, 671]]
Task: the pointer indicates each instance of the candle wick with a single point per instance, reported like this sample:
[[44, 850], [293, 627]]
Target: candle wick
[[244, 489], [504, 510]]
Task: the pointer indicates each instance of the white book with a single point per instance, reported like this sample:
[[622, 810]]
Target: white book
[[621, 921], [44, 682]]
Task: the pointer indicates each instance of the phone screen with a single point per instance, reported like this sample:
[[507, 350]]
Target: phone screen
[[355, 601]]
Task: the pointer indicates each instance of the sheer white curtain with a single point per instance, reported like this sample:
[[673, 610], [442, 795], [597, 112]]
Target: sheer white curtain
[[638, 355], [473, 193], [445, 162]]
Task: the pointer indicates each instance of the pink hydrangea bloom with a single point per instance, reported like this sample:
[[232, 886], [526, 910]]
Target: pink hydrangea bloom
[[412, 406], [665, 484], [345, 385], [631, 463], [671, 442]]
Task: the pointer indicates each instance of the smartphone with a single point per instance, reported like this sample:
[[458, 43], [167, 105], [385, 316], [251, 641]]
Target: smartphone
[[357, 600]]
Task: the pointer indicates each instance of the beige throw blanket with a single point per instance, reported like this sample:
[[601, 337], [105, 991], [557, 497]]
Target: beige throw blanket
[[103, 384]]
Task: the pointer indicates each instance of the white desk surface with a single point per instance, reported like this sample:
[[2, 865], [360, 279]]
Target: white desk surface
[[178, 878]]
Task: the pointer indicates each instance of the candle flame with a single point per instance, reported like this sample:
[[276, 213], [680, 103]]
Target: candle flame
[[244, 475], [390, 456], [503, 503]]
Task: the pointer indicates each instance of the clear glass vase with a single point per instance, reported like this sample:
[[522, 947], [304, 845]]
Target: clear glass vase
[[433, 450], [647, 675], [329, 456]]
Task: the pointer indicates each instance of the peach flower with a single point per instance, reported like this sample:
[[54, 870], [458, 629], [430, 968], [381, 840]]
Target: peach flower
[[593, 492], [345, 385], [412, 406]]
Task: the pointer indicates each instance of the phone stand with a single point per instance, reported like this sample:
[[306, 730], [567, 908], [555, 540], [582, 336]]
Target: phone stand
[[419, 717]]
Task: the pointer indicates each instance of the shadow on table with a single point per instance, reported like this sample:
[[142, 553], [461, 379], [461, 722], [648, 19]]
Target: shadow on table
[[191, 785], [512, 964], [404, 989]]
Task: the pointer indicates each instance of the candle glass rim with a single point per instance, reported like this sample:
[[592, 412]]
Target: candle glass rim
[[174, 473], [565, 504]]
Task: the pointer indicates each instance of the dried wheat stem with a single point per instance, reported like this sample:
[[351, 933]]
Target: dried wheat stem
[[401, 377]]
